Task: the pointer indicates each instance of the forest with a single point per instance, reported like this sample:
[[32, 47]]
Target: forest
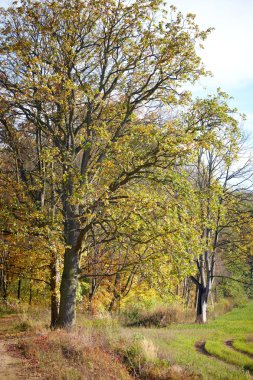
[[125, 200]]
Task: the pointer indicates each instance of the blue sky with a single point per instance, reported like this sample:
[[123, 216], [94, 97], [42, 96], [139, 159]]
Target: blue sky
[[228, 50]]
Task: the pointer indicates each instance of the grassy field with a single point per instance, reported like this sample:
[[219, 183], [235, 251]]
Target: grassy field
[[221, 349]]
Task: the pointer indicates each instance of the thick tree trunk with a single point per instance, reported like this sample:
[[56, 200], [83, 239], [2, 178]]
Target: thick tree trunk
[[73, 241], [201, 316], [67, 311]]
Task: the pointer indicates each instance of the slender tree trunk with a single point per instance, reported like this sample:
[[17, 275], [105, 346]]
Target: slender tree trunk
[[92, 292], [54, 290], [19, 289], [30, 293], [215, 294], [116, 293], [196, 297], [5, 287], [54, 273], [3, 278]]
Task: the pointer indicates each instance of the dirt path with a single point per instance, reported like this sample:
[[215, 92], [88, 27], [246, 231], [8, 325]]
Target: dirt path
[[12, 366], [200, 347]]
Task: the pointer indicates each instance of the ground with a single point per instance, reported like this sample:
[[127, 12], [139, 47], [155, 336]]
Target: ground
[[13, 366], [222, 349]]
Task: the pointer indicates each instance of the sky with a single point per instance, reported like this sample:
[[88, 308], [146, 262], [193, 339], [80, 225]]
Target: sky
[[228, 52]]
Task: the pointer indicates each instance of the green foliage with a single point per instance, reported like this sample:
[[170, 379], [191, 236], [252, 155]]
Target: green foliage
[[93, 168], [236, 291]]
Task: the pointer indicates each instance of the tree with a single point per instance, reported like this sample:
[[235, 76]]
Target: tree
[[83, 77], [214, 180], [28, 216]]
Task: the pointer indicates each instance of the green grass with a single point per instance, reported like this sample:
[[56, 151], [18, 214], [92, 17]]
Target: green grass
[[223, 352], [243, 345], [6, 310], [176, 344]]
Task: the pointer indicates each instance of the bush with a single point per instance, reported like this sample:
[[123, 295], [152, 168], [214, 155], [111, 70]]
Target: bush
[[161, 316], [233, 290]]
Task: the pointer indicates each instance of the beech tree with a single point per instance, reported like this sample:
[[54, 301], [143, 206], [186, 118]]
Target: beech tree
[[84, 78]]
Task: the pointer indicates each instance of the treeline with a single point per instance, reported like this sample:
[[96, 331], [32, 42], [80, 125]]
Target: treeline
[[113, 179]]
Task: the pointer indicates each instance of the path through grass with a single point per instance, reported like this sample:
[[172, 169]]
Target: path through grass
[[177, 344]]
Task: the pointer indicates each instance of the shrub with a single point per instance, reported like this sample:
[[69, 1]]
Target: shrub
[[160, 316]]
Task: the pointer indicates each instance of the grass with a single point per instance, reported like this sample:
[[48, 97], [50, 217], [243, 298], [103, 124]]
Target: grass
[[62, 355], [176, 344], [223, 352], [6, 310], [243, 345], [103, 349]]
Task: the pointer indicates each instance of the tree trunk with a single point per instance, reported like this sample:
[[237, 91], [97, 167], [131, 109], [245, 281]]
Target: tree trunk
[[116, 293], [3, 279], [30, 293], [4, 289], [54, 290], [67, 312], [202, 304], [92, 292], [19, 289]]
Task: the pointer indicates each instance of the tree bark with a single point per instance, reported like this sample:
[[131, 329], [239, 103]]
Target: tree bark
[[116, 293], [201, 316], [19, 289], [67, 311], [30, 293], [54, 291], [69, 281]]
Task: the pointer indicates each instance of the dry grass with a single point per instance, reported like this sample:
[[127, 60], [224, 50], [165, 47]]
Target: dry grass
[[144, 360], [97, 353], [160, 316], [60, 355]]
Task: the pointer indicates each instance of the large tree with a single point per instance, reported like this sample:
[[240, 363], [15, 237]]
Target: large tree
[[83, 78]]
